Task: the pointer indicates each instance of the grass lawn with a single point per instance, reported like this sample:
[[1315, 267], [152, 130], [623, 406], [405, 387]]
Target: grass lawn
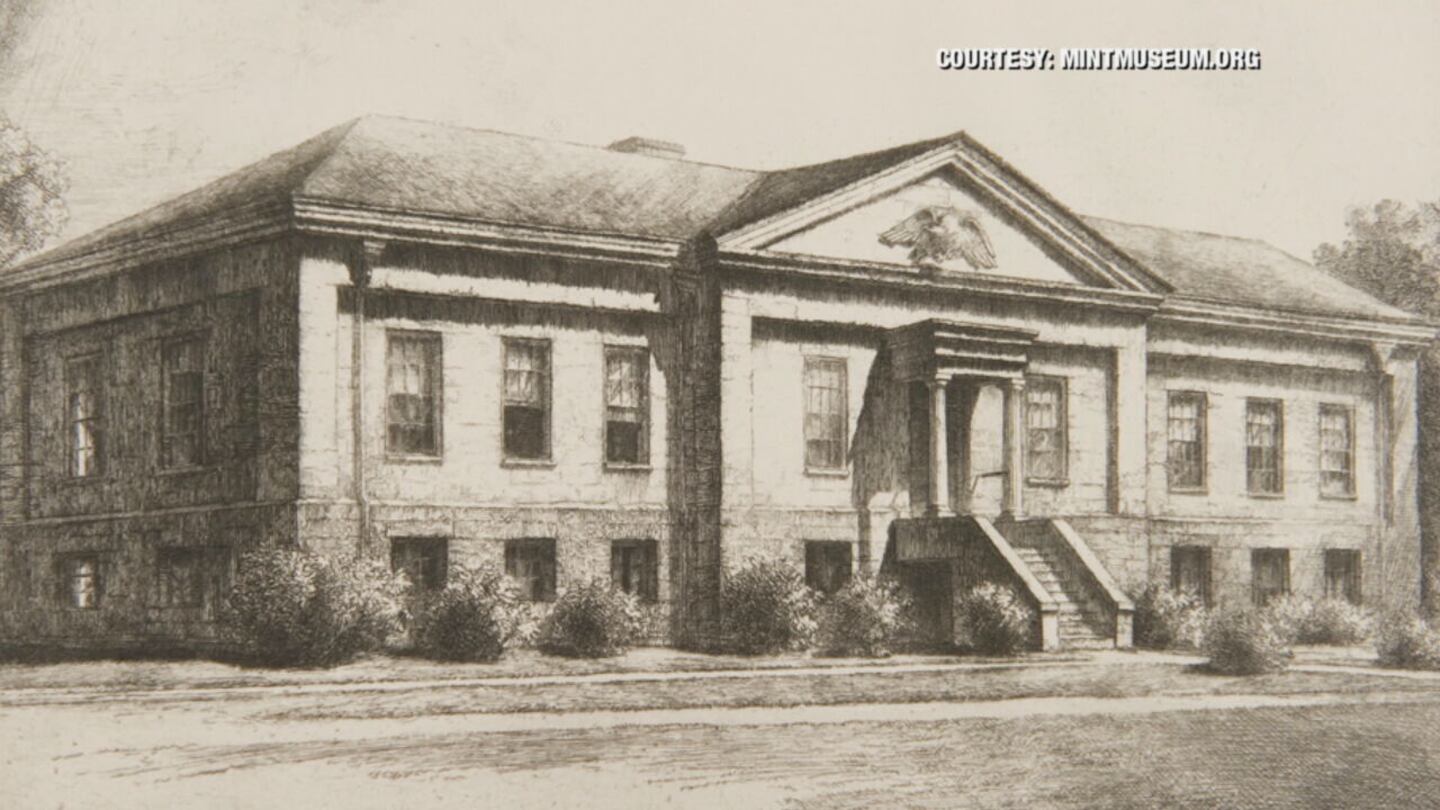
[[198, 673]]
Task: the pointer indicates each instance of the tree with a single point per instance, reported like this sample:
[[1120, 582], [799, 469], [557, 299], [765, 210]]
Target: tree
[[32, 194], [1393, 253]]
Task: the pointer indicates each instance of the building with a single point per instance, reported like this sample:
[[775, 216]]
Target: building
[[443, 344]]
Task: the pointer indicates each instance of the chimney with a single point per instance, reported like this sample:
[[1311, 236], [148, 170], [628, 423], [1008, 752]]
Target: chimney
[[636, 145]]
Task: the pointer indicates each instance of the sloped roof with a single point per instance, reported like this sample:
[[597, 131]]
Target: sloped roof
[[1231, 269], [417, 167]]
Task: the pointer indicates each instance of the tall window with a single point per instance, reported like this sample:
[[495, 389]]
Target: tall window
[[80, 582], [634, 568], [1337, 451], [1342, 574], [413, 387], [1264, 446], [627, 394], [527, 399], [825, 417], [827, 565], [1045, 428], [83, 404], [1190, 571], [531, 562], [423, 560], [182, 439], [1186, 433], [1269, 574]]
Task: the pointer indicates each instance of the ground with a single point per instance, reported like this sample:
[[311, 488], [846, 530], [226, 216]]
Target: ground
[[1109, 730]]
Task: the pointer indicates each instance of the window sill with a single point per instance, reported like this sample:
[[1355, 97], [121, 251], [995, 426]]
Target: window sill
[[1266, 496], [827, 473], [415, 459], [1351, 496], [1051, 483], [531, 463], [1188, 490], [616, 466]]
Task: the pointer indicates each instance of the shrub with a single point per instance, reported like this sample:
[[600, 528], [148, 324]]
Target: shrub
[[1327, 621], [592, 621], [864, 618], [1166, 618], [1242, 641], [473, 618], [1407, 641], [766, 608], [993, 620], [291, 607]]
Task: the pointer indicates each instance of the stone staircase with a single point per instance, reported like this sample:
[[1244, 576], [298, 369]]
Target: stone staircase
[[1084, 622]]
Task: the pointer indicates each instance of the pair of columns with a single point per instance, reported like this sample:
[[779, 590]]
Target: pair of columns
[[1014, 425]]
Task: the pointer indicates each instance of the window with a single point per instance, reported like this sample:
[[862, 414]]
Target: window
[[825, 420], [1045, 428], [423, 560], [532, 563], [1190, 571], [191, 576], [1342, 574], [413, 387], [1264, 446], [633, 568], [83, 403], [827, 565], [1337, 451], [178, 577], [527, 399], [1269, 574], [627, 394], [182, 439], [80, 581], [1186, 431]]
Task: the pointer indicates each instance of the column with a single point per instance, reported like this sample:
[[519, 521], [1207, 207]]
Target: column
[[939, 451], [1014, 446]]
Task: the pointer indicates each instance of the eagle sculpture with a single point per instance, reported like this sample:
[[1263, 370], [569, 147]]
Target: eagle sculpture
[[936, 234]]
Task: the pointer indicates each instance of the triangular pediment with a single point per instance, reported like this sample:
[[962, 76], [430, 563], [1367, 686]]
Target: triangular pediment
[[953, 211]]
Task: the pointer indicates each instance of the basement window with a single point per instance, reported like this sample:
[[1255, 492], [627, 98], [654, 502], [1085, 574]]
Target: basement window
[[827, 565], [80, 582], [423, 560], [634, 568], [1342, 574], [1269, 575], [531, 562]]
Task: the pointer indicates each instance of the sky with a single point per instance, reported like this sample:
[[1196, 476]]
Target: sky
[[147, 99]]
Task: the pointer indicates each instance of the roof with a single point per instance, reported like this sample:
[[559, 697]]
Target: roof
[[1235, 270], [417, 167]]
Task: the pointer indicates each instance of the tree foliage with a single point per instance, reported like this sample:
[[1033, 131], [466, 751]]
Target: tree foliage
[[32, 194], [1393, 253]]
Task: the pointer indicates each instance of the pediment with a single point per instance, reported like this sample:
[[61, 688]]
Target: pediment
[[951, 212]]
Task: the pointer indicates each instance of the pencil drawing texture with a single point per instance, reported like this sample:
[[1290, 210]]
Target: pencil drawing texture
[[447, 346]]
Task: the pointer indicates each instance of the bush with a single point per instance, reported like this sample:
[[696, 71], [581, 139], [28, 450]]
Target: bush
[[1406, 641], [291, 607], [1328, 621], [473, 618], [864, 618], [592, 621], [1242, 641], [766, 608], [993, 620], [1166, 618]]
